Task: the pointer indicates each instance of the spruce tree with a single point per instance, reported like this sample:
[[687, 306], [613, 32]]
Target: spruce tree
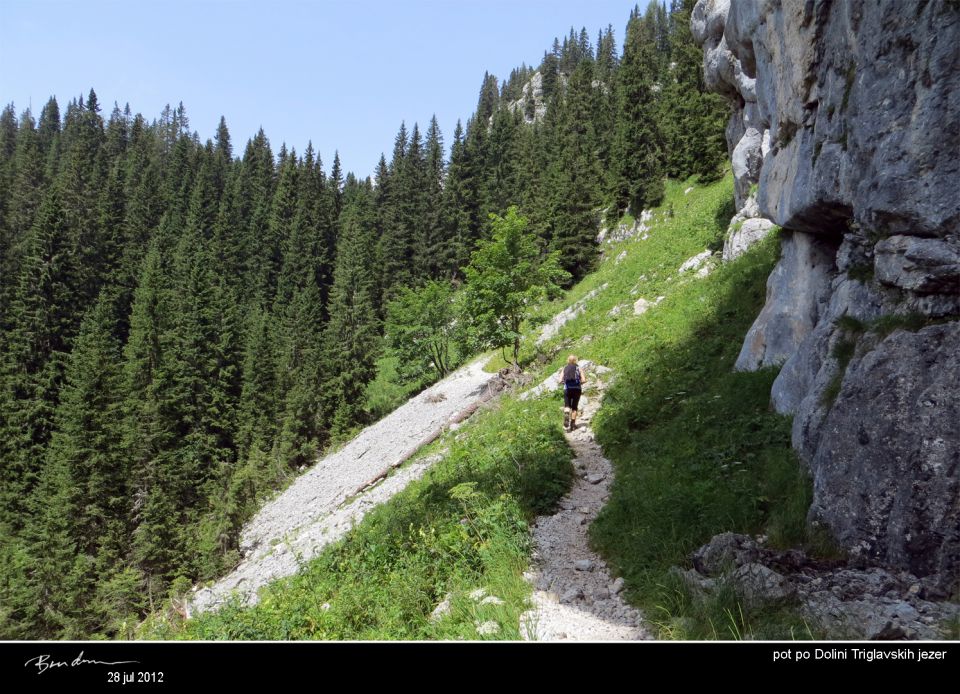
[[81, 504], [575, 176], [459, 208], [81, 179], [396, 242], [433, 252], [415, 197], [352, 336], [336, 185], [300, 306], [283, 207], [45, 317], [21, 205], [252, 201], [8, 147], [501, 174], [637, 172], [692, 118], [152, 430]]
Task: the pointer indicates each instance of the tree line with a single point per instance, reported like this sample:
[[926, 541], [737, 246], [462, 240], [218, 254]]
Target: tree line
[[183, 327]]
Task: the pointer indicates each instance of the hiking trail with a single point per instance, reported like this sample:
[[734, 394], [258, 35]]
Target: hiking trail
[[574, 597]]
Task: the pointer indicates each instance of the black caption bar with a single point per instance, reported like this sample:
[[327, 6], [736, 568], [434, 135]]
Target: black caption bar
[[116, 666]]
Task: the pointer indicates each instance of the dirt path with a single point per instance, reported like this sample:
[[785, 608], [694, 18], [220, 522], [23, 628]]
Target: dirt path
[[314, 511], [575, 598]]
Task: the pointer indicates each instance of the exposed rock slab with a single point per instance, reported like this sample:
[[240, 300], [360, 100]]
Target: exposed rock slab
[[311, 513], [551, 329], [899, 398]]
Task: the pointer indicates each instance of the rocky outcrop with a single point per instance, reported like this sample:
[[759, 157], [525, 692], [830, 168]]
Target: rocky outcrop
[[746, 228], [551, 329], [748, 141], [531, 103], [797, 290], [835, 601], [919, 265], [845, 129], [623, 231]]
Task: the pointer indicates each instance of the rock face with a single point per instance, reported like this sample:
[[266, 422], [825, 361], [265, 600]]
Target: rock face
[[622, 232], [797, 290], [922, 266], [531, 102], [892, 432], [844, 131]]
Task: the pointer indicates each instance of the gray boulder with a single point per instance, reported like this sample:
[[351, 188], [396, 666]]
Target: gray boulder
[[743, 234], [724, 552], [758, 585], [924, 266]]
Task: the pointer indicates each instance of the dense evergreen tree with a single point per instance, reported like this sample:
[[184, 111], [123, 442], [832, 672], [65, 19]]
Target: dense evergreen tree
[[300, 306], [257, 417], [459, 207], [152, 429], [433, 255], [252, 202], [574, 177], [336, 186], [81, 504], [637, 157], [396, 240], [26, 185], [352, 337], [44, 315], [692, 119]]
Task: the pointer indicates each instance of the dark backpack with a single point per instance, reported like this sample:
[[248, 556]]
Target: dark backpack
[[571, 377]]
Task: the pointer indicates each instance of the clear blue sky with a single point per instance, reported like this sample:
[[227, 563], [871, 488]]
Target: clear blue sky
[[342, 74]]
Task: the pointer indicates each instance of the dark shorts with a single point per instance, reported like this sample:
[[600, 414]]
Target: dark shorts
[[571, 398]]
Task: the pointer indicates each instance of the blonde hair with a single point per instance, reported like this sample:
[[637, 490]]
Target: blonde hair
[[572, 359]]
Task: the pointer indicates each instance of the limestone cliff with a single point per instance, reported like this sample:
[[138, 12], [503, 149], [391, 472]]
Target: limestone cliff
[[531, 103], [845, 132]]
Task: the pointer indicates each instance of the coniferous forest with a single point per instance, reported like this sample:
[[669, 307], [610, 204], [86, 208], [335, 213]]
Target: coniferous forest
[[184, 325]]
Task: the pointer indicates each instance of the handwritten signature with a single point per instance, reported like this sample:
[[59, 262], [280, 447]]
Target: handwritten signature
[[43, 662]]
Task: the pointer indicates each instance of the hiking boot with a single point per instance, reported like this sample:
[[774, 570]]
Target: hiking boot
[[566, 418]]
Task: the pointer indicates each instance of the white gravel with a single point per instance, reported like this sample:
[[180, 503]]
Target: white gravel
[[568, 314], [311, 513], [574, 597]]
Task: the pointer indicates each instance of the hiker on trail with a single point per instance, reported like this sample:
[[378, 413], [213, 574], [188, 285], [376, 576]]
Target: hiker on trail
[[572, 380]]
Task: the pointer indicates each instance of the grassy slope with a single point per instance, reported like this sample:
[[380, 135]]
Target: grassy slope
[[695, 447], [463, 526]]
